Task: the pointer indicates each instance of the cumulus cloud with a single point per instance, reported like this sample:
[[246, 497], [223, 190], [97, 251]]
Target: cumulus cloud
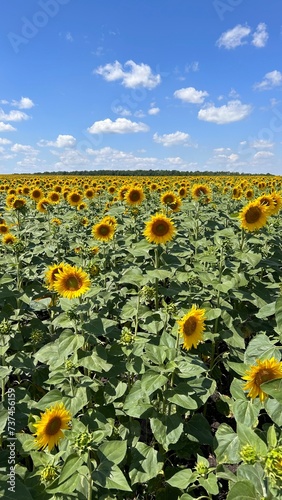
[[260, 36], [270, 80], [233, 38], [132, 75], [4, 141], [190, 94], [233, 111], [119, 126], [6, 127], [174, 139], [13, 116], [261, 143], [153, 111], [23, 103], [24, 148], [62, 141], [261, 155], [121, 110]]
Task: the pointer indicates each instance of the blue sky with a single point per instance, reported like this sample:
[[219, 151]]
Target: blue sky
[[125, 84]]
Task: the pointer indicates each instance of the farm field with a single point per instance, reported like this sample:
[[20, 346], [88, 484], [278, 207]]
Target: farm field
[[140, 337]]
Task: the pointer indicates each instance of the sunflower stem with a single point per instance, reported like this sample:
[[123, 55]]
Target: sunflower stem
[[89, 495], [157, 264]]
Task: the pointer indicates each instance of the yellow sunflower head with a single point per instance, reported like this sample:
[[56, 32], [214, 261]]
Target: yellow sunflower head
[[42, 205], [54, 197], [160, 229], [168, 198], [200, 191], [134, 196], [50, 426], [4, 229], [9, 239], [74, 198], [253, 216], [103, 231], [277, 200], [71, 282], [52, 274], [192, 326], [268, 369]]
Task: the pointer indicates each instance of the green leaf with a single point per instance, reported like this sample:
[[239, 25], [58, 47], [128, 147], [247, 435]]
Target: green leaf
[[248, 436], [266, 311], [198, 429], [210, 484], [146, 463], [20, 491], [151, 381], [278, 314], [254, 474], [274, 410], [113, 451], [243, 490], [227, 449], [110, 476], [167, 429], [181, 479], [246, 412], [273, 388], [261, 348], [71, 465]]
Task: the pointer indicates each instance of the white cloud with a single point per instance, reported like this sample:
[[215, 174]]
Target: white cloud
[[194, 66], [4, 101], [120, 110], [62, 141], [23, 103], [24, 148], [190, 94], [120, 126], [271, 80], [69, 37], [234, 37], [139, 114], [138, 75], [153, 111], [13, 116], [4, 141], [6, 127], [233, 111], [260, 36], [175, 139], [261, 143], [261, 155]]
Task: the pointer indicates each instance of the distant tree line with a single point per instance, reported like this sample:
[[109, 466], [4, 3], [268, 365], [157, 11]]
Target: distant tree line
[[148, 173]]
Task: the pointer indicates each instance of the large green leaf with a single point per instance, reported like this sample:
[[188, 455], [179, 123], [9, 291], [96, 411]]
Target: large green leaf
[[181, 479], [113, 451], [227, 445], [145, 463], [248, 436], [278, 314], [167, 429], [243, 490], [260, 347]]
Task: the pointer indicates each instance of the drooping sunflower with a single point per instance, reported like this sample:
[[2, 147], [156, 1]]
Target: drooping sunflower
[[160, 229], [103, 231], [18, 203], [50, 426], [192, 326], [52, 274], [253, 216], [134, 196], [71, 282], [268, 369]]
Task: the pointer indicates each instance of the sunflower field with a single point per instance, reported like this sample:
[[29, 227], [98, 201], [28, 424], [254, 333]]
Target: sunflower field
[[140, 337]]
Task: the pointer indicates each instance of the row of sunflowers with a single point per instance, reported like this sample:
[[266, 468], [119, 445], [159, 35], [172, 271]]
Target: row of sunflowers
[[140, 337]]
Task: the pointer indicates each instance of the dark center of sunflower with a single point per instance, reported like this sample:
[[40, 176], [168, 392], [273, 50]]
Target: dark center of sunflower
[[263, 376], [169, 199], [201, 191], [73, 283], [265, 201], [53, 426], [134, 195], [160, 228], [75, 198], [253, 215], [104, 230], [190, 326], [18, 204]]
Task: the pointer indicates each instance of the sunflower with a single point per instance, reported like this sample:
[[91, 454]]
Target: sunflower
[[49, 427], [42, 205], [277, 200], [71, 282], [103, 231], [253, 216], [267, 201], [4, 229], [168, 198], [56, 221], [134, 196], [18, 203], [9, 239], [52, 274], [54, 197], [175, 206], [159, 229], [263, 371], [200, 190], [36, 194], [192, 326], [74, 198]]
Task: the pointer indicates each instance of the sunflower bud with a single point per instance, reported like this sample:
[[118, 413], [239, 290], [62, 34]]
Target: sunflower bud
[[248, 454], [273, 465], [48, 474]]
